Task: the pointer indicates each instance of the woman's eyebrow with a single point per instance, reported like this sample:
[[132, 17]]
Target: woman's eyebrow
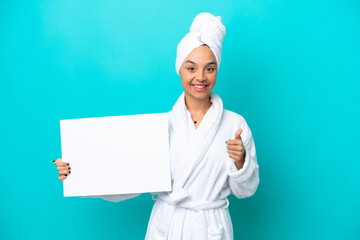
[[189, 61]]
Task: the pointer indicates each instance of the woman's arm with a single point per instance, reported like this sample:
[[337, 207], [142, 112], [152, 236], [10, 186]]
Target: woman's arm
[[244, 173]]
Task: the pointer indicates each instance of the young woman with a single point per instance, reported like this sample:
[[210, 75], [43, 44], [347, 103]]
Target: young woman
[[212, 151]]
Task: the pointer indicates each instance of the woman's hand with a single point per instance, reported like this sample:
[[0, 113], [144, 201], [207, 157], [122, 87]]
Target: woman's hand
[[236, 149], [63, 168]]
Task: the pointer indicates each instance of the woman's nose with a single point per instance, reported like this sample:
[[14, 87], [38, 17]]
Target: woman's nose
[[200, 76]]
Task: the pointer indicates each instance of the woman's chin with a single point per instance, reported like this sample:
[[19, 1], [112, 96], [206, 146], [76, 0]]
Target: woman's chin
[[199, 96]]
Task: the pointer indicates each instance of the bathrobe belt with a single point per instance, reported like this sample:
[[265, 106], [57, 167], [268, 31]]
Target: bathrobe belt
[[178, 199], [181, 197]]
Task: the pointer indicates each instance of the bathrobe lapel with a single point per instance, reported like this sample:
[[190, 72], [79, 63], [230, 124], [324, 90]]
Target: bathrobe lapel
[[194, 145]]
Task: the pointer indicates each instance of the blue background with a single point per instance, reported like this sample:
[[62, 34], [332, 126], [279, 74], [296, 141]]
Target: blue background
[[291, 68]]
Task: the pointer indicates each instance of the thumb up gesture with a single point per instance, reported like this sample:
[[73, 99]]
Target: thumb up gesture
[[236, 150]]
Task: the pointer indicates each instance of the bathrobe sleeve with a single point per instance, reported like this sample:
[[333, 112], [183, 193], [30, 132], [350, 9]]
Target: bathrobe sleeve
[[244, 182], [114, 198]]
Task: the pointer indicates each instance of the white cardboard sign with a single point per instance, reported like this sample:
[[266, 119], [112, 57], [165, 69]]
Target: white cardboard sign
[[116, 155]]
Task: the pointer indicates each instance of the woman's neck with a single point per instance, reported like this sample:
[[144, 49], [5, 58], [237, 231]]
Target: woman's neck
[[196, 106]]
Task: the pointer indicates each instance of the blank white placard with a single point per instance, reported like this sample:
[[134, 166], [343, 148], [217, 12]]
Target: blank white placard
[[116, 155]]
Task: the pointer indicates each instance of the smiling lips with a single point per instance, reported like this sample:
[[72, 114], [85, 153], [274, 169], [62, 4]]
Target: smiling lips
[[199, 88]]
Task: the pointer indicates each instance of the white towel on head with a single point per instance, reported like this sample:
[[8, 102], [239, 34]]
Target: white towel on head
[[205, 29]]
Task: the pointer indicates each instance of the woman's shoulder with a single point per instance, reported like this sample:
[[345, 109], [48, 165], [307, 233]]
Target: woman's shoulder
[[234, 121], [233, 117]]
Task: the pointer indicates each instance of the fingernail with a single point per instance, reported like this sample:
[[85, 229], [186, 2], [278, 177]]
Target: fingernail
[[69, 171], [226, 142], [67, 164], [65, 174], [54, 160], [68, 167]]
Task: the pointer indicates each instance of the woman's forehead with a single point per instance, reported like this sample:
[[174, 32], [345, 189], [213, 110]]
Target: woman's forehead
[[201, 55]]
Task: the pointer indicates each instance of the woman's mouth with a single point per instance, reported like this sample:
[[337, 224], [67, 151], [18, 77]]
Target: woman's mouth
[[199, 87]]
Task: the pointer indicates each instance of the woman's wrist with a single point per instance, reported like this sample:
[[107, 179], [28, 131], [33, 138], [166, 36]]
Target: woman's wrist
[[240, 163]]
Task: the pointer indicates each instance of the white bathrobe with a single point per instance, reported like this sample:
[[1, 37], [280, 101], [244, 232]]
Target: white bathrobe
[[203, 175]]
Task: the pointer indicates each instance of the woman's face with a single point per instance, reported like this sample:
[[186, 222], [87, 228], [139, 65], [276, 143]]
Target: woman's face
[[198, 73]]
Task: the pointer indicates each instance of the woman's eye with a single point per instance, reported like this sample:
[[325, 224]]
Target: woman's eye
[[191, 68], [210, 69]]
